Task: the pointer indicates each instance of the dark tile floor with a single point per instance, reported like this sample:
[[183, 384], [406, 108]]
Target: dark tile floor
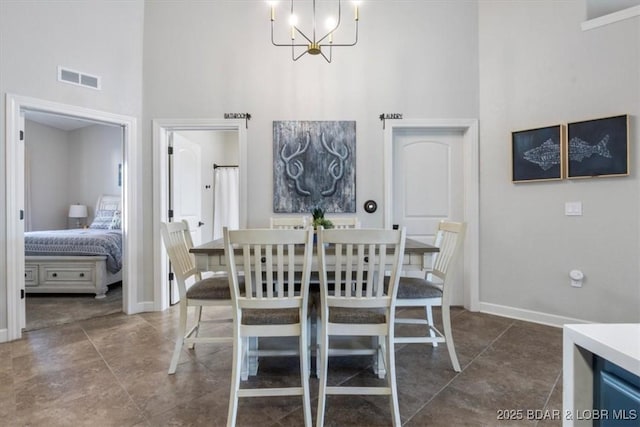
[[112, 371], [45, 310]]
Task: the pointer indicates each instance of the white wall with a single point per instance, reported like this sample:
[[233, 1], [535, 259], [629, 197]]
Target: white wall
[[415, 57], [537, 68], [99, 38], [70, 167], [47, 154], [94, 155]]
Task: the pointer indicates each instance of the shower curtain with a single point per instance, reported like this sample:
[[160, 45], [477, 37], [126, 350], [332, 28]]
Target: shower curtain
[[226, 200]]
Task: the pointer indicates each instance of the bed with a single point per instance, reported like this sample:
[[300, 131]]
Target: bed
[[78, 260]]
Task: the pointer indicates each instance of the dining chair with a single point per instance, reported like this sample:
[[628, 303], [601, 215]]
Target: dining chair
[[338, 223], [433, 290], [272, 303], [354, 262], [345, 222], [193, 290], [284, 222], [288, 222]]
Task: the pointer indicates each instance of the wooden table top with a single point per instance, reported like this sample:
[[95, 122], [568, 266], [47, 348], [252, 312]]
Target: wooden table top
[[216, 247]]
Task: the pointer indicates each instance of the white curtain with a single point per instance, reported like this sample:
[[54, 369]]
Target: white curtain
[[226, 200]]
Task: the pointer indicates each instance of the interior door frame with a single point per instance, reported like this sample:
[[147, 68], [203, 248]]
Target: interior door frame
[[471, 167], [161, 129], [131, 194]]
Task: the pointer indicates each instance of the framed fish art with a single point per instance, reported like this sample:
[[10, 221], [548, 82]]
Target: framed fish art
[[537, 154], [598, 147]]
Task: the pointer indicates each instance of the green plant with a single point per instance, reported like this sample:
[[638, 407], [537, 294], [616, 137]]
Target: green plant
[[320, 220]]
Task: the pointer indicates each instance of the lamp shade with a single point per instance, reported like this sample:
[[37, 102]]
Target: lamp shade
[[78, 211]]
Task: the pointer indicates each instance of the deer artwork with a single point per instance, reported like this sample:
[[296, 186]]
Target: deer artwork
[[336, 167], [318, 176], [295, 172]]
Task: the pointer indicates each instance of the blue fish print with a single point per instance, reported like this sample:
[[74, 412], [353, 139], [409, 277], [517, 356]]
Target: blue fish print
[[546, 155], [579, 149]]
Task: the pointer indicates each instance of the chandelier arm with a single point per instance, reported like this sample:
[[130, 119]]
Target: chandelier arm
[[294, 57], [302, 34], [343, 44], [335, 26], [325, 56], [273, 42]]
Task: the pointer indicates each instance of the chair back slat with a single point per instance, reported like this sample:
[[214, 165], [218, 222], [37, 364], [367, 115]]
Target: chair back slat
[[276, 264], [289, 222], [360, 260], [344, 222], [449, 240]]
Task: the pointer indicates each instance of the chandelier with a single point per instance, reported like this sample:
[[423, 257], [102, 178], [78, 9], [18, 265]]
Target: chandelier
[[313, 42]]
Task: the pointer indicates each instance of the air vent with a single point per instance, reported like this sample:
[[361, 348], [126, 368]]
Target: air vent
[[77, 78]]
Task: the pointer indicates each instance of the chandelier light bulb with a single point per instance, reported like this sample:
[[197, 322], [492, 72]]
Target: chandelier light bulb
[[330, 23]]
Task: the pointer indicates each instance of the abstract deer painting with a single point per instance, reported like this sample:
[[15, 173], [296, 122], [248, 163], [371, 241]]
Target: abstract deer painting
[[314, 166]]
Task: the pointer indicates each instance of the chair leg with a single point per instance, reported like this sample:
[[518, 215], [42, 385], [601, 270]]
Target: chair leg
[[244, 357], [304, 375], [391, 379], [309, 343], [235, 380], [182, 329], [323, 356], [448, 336], [378, 358], [432, 333], [253, 358], [317, 344], [197, 330]]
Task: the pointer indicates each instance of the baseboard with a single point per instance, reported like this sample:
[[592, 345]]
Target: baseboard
[[528, 315], [142, 307], [4, 335]]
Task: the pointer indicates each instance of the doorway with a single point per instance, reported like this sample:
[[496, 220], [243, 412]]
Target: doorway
[[69, 163], [180, 193], [203, 165], [16, 107], [431, 172]]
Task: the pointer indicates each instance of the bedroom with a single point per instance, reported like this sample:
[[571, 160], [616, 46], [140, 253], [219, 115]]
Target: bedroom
[[70, 162]]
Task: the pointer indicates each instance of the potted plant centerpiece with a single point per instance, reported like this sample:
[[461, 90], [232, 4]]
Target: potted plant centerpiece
[[320, 220]]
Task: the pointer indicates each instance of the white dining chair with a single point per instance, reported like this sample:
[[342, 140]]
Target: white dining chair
[[272, 303], [285, 222], [354, 303], [193, 290], [433, 290], [345, 222]]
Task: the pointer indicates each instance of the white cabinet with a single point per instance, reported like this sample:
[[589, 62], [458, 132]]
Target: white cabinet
[[582, 344], [66, 274]]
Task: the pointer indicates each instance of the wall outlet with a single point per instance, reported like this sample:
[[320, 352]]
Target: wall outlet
[[576, 277], [573, 208]]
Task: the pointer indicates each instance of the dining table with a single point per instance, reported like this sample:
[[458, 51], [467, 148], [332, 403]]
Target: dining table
[[210, 257]]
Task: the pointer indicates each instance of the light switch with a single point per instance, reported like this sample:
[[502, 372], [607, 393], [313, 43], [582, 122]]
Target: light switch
[[573, 208]]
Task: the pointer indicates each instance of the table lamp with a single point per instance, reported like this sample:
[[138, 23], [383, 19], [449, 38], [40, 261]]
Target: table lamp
[[78, 212]]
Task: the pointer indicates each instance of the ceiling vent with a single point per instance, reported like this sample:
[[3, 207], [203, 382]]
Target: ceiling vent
[[77, 78]]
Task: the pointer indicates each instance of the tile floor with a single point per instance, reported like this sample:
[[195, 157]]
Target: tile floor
[[45, 310], [112, 371]]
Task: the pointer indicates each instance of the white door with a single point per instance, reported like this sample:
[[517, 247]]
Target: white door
[[428, 185], [186, 193]]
